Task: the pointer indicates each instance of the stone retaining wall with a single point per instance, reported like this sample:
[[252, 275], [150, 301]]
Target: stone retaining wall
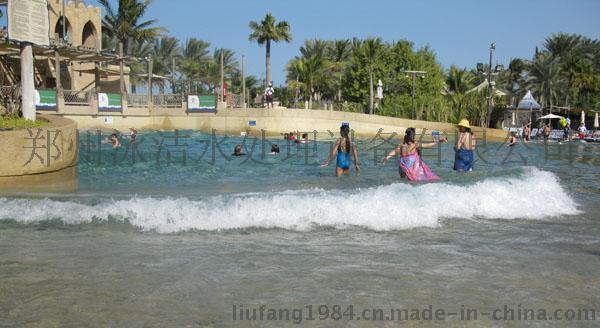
[[274, 121], [39, 150]]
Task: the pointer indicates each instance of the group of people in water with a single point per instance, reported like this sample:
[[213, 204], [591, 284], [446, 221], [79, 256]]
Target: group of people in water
[[114, 139], [410, 163]]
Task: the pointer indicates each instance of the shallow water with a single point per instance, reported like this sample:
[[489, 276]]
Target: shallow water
[[180, 245]]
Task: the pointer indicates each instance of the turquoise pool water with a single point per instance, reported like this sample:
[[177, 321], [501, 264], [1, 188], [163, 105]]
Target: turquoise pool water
[[157, 244]]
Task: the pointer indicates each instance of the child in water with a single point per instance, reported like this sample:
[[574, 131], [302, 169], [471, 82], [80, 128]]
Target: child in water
[[343, 147], [410, 162]]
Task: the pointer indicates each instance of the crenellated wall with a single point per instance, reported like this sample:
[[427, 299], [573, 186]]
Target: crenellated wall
[[84, 28], [78, 15]]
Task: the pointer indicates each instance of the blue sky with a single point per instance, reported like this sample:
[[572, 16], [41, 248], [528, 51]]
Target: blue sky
[[458, 31]]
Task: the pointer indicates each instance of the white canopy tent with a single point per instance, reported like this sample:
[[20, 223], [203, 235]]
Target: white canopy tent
[[528, 102]]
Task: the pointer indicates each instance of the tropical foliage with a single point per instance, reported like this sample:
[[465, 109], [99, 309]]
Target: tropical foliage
[[563, 73], [188, 66]]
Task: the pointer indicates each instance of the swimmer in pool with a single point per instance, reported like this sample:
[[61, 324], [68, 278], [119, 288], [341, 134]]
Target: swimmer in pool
[[342, 149], [237, 151], [512, 139], [114, 140]]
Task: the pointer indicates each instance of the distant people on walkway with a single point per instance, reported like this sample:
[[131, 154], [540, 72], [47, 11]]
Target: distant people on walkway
[[342, 149], [292, 137], [269, 93], [582, 131], [463, 148], [410, 163], [237, 151]]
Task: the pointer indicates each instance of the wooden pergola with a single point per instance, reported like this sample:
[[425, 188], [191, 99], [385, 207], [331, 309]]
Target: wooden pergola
[[58, 51]]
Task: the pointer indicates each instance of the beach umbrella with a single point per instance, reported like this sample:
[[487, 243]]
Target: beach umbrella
[[549, 117], [596, 123]]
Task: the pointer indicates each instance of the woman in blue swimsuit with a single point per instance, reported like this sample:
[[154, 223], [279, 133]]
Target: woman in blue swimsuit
[[341, 150]]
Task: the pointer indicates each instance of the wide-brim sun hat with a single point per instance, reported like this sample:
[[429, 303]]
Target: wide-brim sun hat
[[464, 123]]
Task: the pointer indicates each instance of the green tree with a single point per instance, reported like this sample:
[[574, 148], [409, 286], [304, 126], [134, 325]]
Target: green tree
[[164, 51], [126, 23], [545, 80], [194, 62], [267, 31], [339, 52], [511, 80], [139, 49], [372, 49], [459, 82]]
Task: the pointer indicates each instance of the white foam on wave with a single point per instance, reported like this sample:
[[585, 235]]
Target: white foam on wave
[[535, 195]]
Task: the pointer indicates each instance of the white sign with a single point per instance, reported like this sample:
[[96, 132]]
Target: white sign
[[193, 102], [102, 100], [28, 21], [108, 120]]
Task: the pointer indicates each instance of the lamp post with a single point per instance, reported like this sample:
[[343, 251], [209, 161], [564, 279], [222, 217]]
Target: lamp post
[[414, 74], [489, 75]]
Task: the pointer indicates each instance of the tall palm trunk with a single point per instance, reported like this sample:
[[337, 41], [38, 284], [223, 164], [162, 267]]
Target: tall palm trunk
[[370, 90], [340, 89], [268, 62]]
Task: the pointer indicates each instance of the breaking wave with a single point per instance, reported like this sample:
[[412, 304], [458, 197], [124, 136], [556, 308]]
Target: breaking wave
[[535, 195]]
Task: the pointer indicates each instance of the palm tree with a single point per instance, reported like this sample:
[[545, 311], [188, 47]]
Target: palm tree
[[458, 83], [512, 78], [339, 54], [265, 32], [561, 44], [545, 80], [310, 70], [125, 23], [213, 68], [230, 64], [139, 49], [196, 50], [164, 51], [372, 48], [195, 58]]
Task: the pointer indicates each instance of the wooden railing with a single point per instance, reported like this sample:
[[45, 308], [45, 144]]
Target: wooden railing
[[168, 101], [77, 98]]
